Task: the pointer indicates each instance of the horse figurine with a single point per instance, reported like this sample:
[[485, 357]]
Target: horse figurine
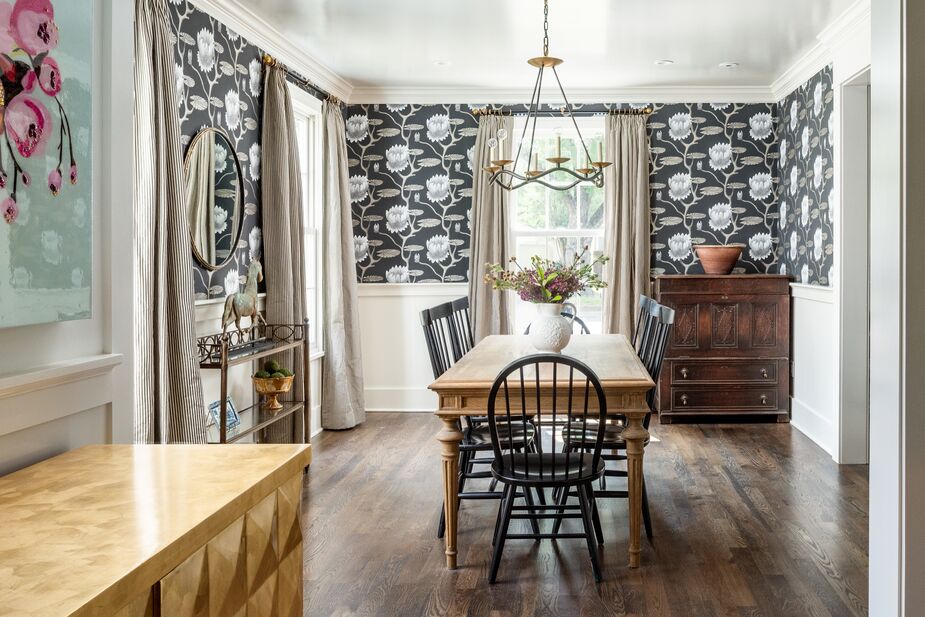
[[244, 303]]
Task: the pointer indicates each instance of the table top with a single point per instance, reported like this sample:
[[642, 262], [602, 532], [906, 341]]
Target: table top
[[95, 526], [611, 356]]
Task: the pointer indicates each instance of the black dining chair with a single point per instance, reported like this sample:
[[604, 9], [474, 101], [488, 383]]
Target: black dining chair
[[652, 347], [445, 337], [515, 398], [644, 319]]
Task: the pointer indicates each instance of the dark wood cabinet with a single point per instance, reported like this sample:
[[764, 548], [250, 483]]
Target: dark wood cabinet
[[729, 352]]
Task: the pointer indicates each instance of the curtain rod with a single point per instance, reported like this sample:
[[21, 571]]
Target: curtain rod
[[300, 81], [486, 111]]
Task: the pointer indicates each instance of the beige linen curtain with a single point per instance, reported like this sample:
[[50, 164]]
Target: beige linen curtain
[[343, 404], [283, 250], [168, 392], [626, 221], [200, 196], [490, 228]]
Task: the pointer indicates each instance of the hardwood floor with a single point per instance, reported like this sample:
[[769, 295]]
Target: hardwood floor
[[749, 520]]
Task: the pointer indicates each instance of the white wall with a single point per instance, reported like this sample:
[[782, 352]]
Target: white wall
[[814, 365], [396, 367], [56, 387]]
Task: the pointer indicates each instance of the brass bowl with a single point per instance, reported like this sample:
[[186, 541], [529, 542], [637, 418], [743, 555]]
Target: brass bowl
[[271, 388]]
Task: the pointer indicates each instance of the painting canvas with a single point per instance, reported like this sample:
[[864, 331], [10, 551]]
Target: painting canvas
[[46, 51]]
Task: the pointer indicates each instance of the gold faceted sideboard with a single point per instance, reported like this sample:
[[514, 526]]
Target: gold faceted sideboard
[[149, 531]]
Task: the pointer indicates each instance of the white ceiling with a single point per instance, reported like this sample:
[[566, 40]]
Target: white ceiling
[[607, 44]]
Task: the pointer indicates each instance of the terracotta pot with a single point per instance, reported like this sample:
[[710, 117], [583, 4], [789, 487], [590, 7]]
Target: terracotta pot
[[271, 388], [719, 259]]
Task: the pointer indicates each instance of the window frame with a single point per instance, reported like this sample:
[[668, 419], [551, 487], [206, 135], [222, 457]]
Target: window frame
[[547, 126], [308, 108]]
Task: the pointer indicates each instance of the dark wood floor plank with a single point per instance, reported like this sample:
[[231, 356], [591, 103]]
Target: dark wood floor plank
[[749, 519]]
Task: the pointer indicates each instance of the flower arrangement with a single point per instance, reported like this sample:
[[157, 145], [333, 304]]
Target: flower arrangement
[[547, 280], [31, 82]]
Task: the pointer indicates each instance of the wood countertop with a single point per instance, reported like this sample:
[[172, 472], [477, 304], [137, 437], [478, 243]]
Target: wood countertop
[[93, 528]]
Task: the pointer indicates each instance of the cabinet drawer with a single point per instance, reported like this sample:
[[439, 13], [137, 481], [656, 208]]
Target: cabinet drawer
[[723, 371], [751, 399]]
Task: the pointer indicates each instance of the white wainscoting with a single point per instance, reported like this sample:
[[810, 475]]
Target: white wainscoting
[[815, 364], [396, 367]]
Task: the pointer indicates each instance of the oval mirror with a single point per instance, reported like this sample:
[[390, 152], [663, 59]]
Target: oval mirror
[[214, 185]]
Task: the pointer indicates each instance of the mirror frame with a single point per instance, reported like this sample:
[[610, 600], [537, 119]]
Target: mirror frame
[[238, 205]]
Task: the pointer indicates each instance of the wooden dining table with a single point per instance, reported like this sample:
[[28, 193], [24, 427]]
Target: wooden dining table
[[463, 391]]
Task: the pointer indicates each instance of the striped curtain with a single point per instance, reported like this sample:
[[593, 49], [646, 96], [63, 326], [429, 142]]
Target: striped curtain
[[283, 246], [168, 392], [343, 403]]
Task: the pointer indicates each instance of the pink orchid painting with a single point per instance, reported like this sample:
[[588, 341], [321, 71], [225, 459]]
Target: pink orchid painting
[[31, 81]]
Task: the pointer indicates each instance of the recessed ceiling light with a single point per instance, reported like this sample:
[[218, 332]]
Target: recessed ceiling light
[[728, 65], [664, 62], [441, 63]]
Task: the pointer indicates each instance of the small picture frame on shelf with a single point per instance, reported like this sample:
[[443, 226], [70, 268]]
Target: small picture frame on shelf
[[215, 414]]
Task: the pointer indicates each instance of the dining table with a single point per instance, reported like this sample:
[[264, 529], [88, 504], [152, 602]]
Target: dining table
[[463, 390]]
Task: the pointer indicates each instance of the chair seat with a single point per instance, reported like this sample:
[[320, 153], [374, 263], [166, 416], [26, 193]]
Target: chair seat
[[533, 469], [584, 436], [481, 435]]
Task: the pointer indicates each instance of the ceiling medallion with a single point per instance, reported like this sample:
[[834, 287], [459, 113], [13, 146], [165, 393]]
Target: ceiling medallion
[[592, 171]]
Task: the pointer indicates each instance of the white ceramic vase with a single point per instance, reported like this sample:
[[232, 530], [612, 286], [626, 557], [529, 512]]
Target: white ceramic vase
[[550, 331]]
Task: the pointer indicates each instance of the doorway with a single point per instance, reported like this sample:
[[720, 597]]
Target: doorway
[[852, 230]]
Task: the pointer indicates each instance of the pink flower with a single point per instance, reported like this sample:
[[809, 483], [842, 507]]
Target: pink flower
[[28, 81], [74, 174], [54, 181], [7, 44], [2, 180], [50, 76], [26, 179], [10, 210], [32, 24], [26, 123]]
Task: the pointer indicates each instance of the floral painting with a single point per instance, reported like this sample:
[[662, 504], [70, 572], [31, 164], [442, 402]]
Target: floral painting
[[807, 195], [219, 78], [45, 161]]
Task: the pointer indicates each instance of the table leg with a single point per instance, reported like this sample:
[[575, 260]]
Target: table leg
[[635, 436], [449, 437]]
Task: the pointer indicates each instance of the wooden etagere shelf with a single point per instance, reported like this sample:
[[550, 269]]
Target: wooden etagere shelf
[[223, 351]]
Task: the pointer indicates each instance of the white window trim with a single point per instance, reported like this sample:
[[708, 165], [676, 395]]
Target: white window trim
[[304, 104]]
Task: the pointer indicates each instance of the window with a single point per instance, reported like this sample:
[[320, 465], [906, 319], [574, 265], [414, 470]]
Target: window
[[557, 224], [307, 112]]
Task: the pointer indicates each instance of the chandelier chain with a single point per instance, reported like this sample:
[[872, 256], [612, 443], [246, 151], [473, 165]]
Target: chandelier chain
[[545, 27]]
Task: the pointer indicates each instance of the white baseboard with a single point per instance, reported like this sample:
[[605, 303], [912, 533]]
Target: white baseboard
[[812, 424], [405, 399]]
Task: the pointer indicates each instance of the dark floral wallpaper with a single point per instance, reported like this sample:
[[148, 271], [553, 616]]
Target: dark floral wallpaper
[[807, 189], [713, 174], [219, 82], [411, 189]]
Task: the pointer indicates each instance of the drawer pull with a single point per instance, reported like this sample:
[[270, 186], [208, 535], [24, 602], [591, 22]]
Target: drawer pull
[[764, 373], [764, 399], [684, 373], [684, 399]]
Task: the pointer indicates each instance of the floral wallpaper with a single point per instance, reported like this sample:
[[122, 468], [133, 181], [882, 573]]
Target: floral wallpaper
[[807, 192], [713, 179], [411, 190], [219, 84]]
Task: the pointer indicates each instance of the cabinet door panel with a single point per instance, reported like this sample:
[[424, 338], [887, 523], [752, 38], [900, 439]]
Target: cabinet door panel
[[185, 590], [227, 562], [262, 558], [289, 497]]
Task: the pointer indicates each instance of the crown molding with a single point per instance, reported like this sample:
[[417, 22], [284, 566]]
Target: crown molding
[[846, 25], [501, 96], [242, 19]]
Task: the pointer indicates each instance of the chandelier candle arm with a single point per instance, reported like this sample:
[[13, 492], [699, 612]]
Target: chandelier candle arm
[[510, 179]]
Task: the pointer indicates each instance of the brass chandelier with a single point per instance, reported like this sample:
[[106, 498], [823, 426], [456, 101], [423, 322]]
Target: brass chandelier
[[510, 179]]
